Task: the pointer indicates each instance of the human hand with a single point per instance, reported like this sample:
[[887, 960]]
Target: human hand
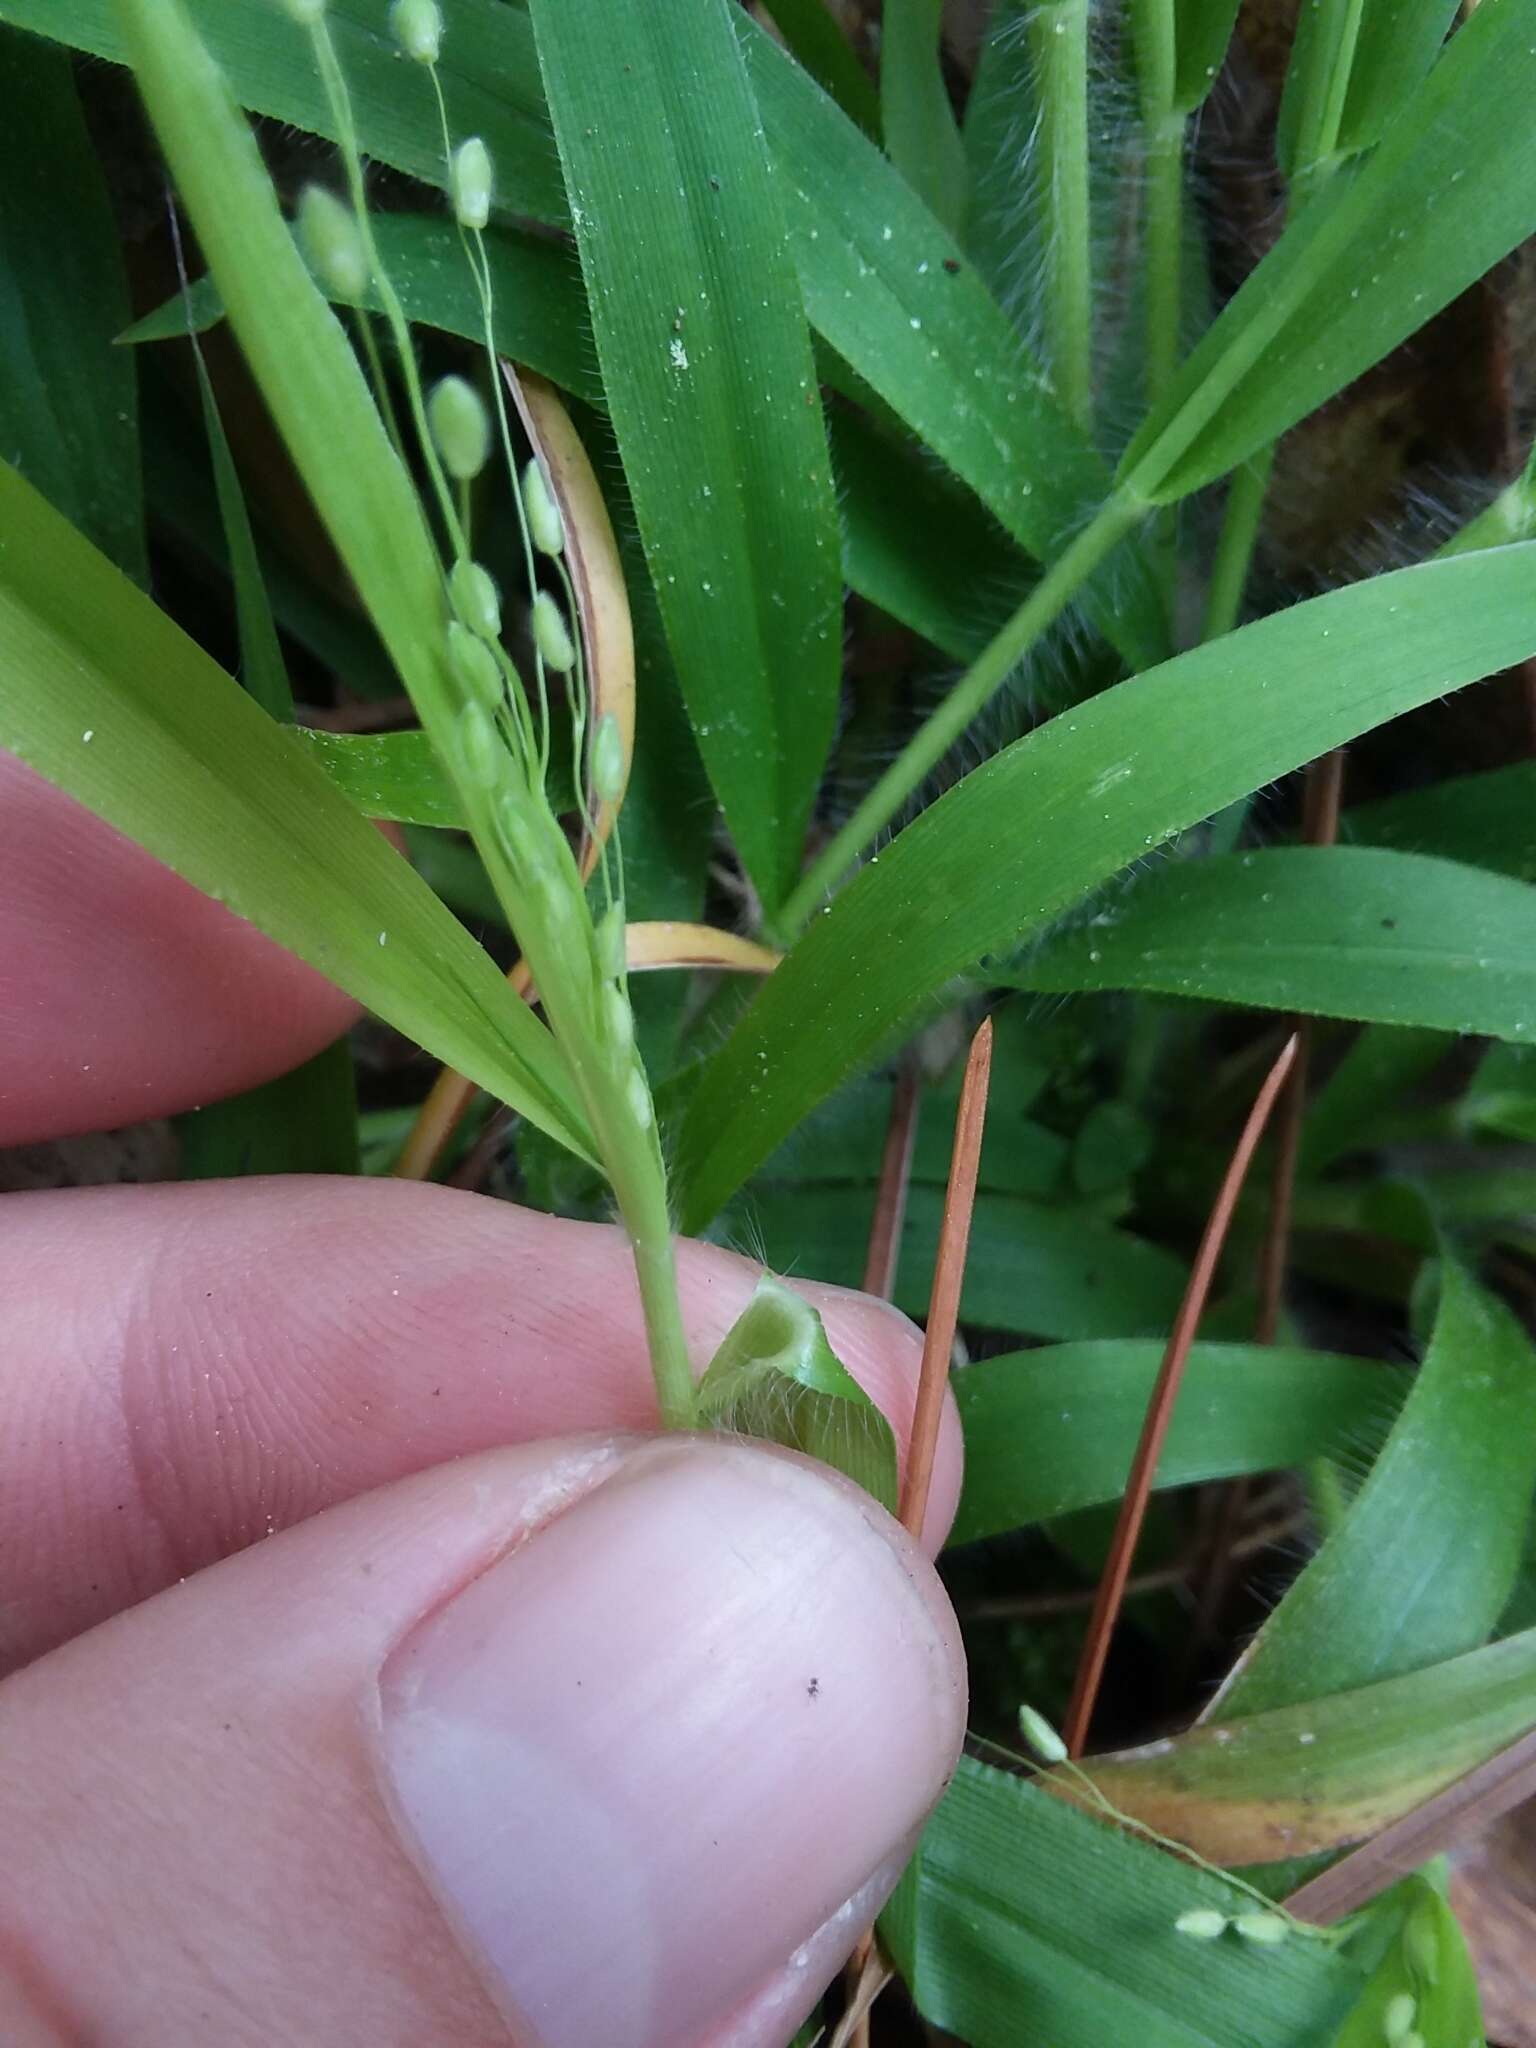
[[525, 1724]]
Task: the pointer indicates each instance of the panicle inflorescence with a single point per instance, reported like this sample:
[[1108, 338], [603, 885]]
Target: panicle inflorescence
[[494, 734]]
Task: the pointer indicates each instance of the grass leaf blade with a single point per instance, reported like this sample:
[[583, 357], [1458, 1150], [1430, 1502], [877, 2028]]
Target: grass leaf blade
[[717, 417], [1100, 786], [107, 698], [1355, 932], [1450, 190], [68, 401], [1424, 1562]]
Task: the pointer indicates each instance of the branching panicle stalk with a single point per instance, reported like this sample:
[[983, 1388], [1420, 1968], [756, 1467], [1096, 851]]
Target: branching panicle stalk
[[498, 746]]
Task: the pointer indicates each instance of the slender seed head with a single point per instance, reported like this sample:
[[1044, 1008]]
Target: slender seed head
[[551, 635], [332, 243], [474, 667], [1397, 2021], [546, 529], [1267, 1929], [418, 29], [1202, 1923], [461, 427], [475, 598], [1041, 1736], [471, 180], [605, 762], [482, 756]]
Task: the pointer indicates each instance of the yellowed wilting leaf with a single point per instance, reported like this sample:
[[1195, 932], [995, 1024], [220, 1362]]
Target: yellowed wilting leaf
[[671, 944], [1262, 1788], [597, 578]]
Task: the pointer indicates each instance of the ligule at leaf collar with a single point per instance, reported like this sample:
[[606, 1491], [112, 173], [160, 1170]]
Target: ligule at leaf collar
[[776, 1377]]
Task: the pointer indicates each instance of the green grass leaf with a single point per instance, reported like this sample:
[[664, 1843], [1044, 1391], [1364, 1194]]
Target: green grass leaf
[[921, 138], [1377, 1071], [303, 1122], [262, 669], [387, 775], [1387, 938], [1023, 1920], [184, 505], [918, 545], [539, 315], [712, 390], [1203, 29], [1397, 43], [489, 77], [69, 415], [819, 43], [1487, 820], [1423, 1564], [844, 1140], [896, 298], [1501, 1096], [106, 697], [1450, 190], [1031, 831], [1053, 1430], [1000, 431], [1038, 1271], [915, 541]]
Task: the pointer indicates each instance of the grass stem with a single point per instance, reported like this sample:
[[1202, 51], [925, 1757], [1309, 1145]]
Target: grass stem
[[1060, 34], [1154, 29], [986, 675], [1324, 89], [1239, 537]]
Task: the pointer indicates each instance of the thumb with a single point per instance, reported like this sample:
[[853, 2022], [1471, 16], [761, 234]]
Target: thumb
[[606, 1740]]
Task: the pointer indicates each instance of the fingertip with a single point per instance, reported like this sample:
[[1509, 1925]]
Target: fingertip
[[125, 993], [749, 1692]]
